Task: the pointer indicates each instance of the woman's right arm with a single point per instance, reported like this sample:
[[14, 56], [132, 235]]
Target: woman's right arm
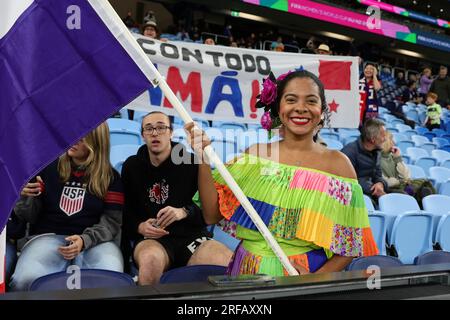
[[207, 190]]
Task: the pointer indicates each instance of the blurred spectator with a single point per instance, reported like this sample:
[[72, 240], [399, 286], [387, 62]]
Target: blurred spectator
[[234, 44], [410, 93], [425, 83], [277, 45], [311, 46], [128, 20], [323, 49], [400, 80], [182, 34], [397, 174], [441, 86], [368, 88], [210, 41], [149, 16], [365, 156], [150, 29], [434, 111]]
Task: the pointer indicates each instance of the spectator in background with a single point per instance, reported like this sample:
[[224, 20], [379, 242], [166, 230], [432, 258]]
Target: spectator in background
[[75, 211], [368, 88], [400, 80], [441, 86], [311, 46], [210, 41], [425, 82], [365, 155], [149, 16], [277, 45], [410, 93], [165, 227], [397, 175], [129, 21], [434, 111], [150, 30], [323, 49]]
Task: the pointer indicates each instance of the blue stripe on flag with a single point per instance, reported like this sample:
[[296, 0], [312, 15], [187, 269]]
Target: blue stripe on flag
[[56, 86]]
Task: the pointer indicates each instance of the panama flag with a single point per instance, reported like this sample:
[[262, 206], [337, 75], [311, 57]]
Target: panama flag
[[65, 66]]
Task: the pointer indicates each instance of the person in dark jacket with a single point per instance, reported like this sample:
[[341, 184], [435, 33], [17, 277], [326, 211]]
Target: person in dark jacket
[[161, 221], [441, 86], [365, 155], [74, 208]]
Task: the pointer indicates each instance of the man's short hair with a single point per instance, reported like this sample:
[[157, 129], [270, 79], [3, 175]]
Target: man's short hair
[[371, 129], [153, 112]]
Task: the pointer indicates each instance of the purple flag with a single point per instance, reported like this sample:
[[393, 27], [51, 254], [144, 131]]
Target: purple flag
[[64, 68]]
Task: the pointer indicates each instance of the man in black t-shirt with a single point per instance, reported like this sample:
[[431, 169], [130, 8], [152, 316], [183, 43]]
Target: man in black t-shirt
[[166, 228]]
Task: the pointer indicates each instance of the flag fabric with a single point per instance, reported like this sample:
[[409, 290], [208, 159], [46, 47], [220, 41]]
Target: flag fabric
[[221, 83], [65, 66]]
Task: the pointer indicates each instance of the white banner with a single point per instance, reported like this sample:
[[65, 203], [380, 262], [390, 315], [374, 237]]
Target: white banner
[[221, 83]]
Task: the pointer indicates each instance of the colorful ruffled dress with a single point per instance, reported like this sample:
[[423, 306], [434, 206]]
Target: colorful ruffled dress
[[312, 215]]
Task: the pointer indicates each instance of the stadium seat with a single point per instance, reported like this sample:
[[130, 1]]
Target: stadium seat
[[404, 145], [329, 135], [440, 142], [409, 133], [412, 115], [407, 246], [439, 132], [419, 140], [399, 137], [440, 155], [225, 238], [378, 225], [433, 257], [444, 188], [235, 128], [429, 146], [196, 273], [439, 174], [438, 205], [124, 131], [333, 144], [421, 130], [120, 153], [406, 159], [417, 172], [416, 153], [426, 163], [362, 263], [443, 232], [445, 164], [402, 127], [392, 205], [90, 278]]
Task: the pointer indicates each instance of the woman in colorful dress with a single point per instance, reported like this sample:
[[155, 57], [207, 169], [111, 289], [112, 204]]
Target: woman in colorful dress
[[306, 194]]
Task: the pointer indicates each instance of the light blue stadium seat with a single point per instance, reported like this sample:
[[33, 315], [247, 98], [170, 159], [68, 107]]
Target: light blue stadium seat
[[417, 172], [123, 131], [439, 132], [225, 238], [443, 232], [433, 257], [429, 146], [412, 115], [399, 137], [392, 205], [440, 142], [329, 135], [416, 153], [369, 203], [438, 205], [202, 123], [402, 127], [404, 145], [439, 174], [444, 188], [383, 262], [426, 163], [419, 140], [411, 235], [90, 278], [440, 155], [139, 115], [421, 130], [195, 273], [378, 225], [406, 159], [120, 153], [333, 144], [445, 163], [235, 127]]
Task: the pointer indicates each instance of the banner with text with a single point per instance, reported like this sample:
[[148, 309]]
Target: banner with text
[[221, 83]]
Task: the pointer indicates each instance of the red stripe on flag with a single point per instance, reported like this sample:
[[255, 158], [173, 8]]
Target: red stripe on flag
[[335, 75]]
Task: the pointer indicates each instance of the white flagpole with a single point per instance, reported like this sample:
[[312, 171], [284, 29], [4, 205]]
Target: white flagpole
[[113, 21]]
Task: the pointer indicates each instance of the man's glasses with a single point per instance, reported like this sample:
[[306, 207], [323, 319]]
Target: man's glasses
[[159, 129]]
